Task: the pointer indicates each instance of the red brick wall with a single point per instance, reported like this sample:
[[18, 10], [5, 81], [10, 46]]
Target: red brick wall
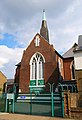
[[67, 68], [50, 65], [62, 67]]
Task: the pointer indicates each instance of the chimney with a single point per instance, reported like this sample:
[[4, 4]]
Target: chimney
[[80, 41]]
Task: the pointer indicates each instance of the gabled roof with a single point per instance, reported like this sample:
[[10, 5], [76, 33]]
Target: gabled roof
[[70, 52]]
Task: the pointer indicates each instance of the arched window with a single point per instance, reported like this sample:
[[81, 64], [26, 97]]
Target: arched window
[[37, 69], [34, 68], [72, 66], [60, 65], [37, 41]]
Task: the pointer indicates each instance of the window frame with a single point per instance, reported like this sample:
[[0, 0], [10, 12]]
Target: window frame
[[39, 75]]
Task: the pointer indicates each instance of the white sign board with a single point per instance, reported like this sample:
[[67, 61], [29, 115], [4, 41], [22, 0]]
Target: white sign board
[[10, 96]]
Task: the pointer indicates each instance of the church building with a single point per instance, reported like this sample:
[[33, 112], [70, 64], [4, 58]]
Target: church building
[[41, 65]]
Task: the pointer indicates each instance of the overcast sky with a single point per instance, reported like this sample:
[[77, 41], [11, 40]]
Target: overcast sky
[[20, 20]]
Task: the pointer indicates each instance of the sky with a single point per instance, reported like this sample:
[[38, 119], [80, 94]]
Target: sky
[[20, 20]]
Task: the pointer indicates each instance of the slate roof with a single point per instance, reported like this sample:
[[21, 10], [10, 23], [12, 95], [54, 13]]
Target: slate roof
[[70, 52], [72, 82]]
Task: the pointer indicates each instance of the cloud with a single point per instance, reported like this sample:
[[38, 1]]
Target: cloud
[[3, 61], [67, 27], [22, 20], [9, 57], [19, 15], [10, 53]]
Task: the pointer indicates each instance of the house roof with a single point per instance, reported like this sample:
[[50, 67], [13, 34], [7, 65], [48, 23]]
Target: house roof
[[70, 52], [69, 82], [3, 74], [10, 80]]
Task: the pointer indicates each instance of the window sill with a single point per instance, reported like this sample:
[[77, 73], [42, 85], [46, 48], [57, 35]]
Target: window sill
[[38, 86]]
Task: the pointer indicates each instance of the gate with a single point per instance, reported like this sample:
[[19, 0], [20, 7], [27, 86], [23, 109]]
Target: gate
[[50, 104], [46, 103], [2, 102]]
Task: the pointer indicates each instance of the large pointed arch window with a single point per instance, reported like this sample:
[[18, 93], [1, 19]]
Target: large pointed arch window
[[37, 70]]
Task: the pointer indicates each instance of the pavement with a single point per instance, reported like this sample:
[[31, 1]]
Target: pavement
[[7, 116]]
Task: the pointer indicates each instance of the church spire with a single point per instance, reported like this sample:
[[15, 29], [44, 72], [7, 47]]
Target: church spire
[[44, 29]]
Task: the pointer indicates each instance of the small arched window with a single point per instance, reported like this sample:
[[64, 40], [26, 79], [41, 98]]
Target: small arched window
[[37, 41], [59, 65], [72, 70]]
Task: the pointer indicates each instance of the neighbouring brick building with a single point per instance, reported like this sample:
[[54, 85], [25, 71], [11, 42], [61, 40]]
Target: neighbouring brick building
[[42, 64]]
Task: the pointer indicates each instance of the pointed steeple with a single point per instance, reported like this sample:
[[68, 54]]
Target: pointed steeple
[[44, 29]]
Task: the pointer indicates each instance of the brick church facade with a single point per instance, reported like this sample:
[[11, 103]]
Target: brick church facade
[[42, 64]]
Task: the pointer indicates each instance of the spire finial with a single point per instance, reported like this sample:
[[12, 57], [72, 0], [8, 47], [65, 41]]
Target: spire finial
[[43, 16]]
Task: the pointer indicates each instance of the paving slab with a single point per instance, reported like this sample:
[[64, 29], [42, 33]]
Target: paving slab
[[6, 116]]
